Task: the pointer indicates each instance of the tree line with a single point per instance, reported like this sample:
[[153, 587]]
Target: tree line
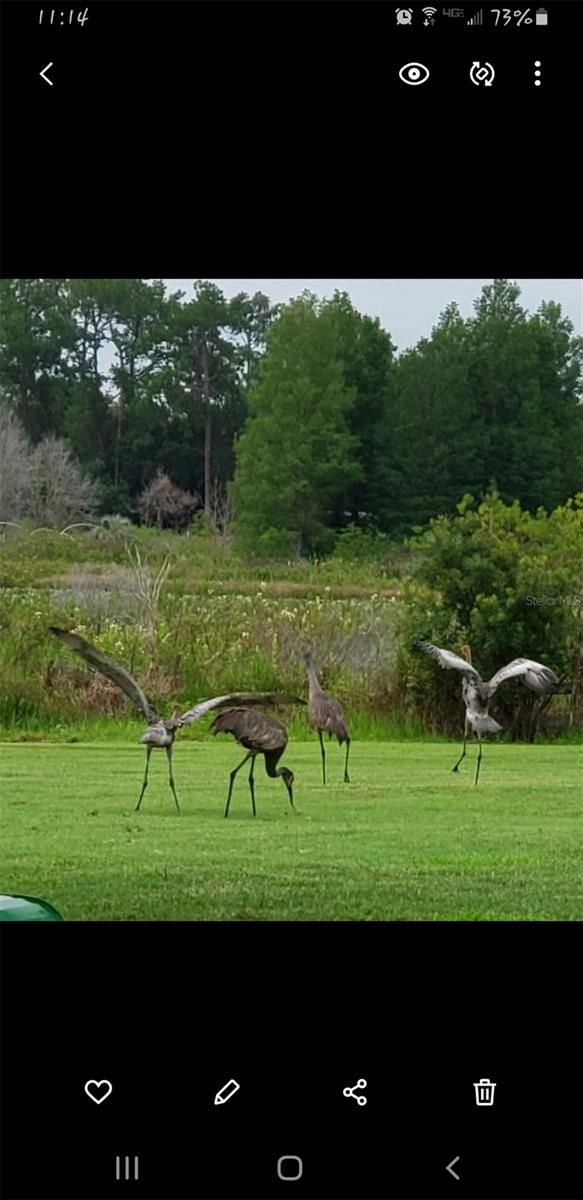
[[303, 414]]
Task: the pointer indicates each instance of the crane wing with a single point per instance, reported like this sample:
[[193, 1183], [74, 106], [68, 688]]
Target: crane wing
[[254, 729], [237, 698], [108, 667], [534, 674], [449, 660]]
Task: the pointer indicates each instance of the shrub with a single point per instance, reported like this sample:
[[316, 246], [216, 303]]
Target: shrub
[[44, 483], [278, 543], [164, 504], [58, 491], [355, 544]]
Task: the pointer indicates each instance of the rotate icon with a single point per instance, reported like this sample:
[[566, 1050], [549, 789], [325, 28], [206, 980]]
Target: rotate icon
[[482, 73]]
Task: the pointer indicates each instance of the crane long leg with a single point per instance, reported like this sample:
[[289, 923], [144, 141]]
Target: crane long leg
[[346, 779], [463, 753], [145, 783], [170, 777], [479, 758], [232, 780], [323, 756], [252, 785]]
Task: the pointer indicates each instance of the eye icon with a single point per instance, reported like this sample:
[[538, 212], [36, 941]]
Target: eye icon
[[414, 73]]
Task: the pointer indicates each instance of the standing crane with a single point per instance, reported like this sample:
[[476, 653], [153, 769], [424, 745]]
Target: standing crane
[[259, 734], [161, 731], [477, 693], [326, 716]]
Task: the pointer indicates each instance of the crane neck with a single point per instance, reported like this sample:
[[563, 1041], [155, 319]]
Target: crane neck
[[312, 677], [271, 769]]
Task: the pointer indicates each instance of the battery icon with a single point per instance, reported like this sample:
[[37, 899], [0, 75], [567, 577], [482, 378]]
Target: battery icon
[[541, 16]]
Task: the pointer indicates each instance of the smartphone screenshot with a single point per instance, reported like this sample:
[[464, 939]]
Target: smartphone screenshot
[[291, 518]]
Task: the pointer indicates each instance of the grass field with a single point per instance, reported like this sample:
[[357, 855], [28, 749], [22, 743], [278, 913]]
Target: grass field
[[406, 840]]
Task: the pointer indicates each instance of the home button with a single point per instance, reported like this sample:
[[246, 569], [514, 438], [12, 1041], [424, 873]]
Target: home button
[[290, 1167]]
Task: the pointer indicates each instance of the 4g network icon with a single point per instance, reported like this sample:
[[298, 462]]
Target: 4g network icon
[[404, 16]]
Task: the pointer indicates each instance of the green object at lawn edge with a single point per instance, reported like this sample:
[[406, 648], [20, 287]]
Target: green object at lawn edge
[[27, 908]]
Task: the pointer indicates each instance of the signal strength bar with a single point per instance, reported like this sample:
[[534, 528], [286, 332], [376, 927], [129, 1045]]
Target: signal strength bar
[[478, 19]]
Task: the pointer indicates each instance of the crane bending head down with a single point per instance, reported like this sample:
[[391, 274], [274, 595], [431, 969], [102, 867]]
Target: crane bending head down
[[259, 734]]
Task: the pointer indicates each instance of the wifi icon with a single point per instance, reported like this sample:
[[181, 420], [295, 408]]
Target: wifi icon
[[429, 14]]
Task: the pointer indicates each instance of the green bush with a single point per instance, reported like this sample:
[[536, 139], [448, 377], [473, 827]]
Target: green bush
[[354, 544], [277, 543]]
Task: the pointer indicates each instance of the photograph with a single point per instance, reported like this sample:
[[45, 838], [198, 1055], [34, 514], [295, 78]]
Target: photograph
[[291, 599]]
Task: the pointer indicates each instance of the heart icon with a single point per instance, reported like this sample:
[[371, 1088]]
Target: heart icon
[[93, 1089]]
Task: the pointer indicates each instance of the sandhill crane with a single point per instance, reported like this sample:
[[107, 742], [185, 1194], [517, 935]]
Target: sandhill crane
[[161, 731], [260, 734], [477, 693], [326, 716]]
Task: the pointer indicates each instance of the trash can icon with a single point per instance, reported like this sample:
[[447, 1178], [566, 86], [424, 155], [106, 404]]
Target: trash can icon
[[484, 1093]]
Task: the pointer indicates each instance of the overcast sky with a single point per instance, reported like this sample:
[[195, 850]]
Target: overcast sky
[[407, 308]]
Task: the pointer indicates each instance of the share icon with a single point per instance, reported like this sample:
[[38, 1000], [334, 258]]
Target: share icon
[[350, 1091]]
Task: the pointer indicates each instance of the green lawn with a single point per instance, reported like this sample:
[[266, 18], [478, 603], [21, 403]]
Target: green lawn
[[406, 840]]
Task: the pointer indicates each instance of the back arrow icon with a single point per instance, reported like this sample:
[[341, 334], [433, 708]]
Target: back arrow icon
[[44, 75], [452, 1164]]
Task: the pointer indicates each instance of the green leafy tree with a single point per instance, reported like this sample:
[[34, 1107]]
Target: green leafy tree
[[366, 353], [250, 318], [200, 383], [88, 421], [524, 380], [435, 452], [297, 456], [136, 328], [494, 400], [37, 335], [109, 416]]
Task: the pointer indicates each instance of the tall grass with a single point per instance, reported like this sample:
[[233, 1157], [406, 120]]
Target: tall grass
[[204, 644], [34, 557], [191, 620]]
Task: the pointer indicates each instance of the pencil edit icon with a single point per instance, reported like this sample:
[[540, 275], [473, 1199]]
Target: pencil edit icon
[[227, 1091]]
